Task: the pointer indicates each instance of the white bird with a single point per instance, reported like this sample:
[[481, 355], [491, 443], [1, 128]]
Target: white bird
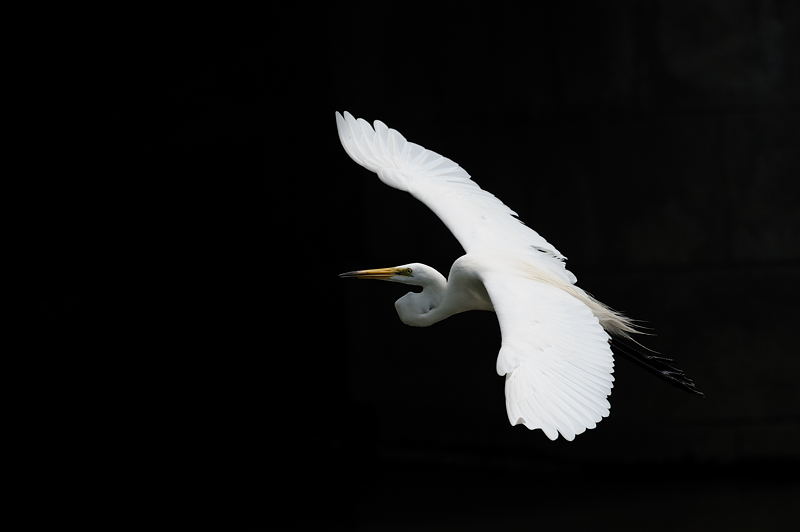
[[556, 338]]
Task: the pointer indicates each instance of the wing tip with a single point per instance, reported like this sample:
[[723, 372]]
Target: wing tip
[[552, 433]]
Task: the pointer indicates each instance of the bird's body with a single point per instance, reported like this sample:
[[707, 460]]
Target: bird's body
[[556, 350]]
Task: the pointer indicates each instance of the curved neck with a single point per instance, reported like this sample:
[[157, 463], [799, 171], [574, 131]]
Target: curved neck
[[421, 309]]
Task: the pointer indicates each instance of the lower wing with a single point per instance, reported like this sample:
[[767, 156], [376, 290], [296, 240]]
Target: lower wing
[[555, 356]]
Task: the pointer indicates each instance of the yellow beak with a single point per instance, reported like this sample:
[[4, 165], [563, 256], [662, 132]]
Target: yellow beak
[[383, 274]]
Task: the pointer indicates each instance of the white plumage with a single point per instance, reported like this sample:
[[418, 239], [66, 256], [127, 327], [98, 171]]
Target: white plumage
[[555, 351]]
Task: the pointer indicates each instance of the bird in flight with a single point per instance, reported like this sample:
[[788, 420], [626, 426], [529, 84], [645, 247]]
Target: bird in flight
[[556, 351]]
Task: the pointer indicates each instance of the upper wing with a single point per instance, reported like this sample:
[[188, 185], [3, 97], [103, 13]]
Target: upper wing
[[555, 355], [479, 220]]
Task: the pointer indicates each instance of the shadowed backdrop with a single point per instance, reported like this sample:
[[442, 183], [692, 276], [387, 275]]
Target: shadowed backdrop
[[654, 143]]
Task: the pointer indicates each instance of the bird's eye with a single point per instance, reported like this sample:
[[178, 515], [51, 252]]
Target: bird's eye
[[407, 271]]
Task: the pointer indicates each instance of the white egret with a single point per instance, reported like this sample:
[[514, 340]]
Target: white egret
[[556, 351]]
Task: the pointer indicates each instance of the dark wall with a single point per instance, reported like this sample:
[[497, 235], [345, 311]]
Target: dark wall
[[191, 259]]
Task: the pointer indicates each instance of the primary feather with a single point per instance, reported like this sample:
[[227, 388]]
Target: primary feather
[[555, 351]]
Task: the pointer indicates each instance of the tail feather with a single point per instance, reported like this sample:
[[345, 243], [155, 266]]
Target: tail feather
[[660, 365]]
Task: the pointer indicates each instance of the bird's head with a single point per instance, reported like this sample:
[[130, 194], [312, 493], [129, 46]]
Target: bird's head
[[413, 274], [415, 307]]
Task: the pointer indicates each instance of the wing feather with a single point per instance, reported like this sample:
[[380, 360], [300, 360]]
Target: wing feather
[[555, 356], [478, 219]]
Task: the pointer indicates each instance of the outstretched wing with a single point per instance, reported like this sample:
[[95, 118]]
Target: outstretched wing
[[480, 221], [555, 355]]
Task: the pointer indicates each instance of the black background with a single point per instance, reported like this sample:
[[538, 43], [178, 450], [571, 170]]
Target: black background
[[190, 207]]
